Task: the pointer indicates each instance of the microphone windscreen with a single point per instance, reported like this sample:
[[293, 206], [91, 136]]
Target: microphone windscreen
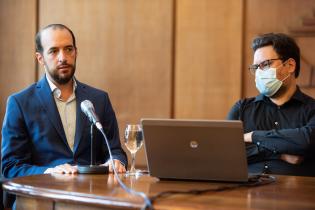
[[86, 105]]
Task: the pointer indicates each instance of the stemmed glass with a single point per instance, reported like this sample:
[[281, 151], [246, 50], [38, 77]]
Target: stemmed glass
[[133, 142]]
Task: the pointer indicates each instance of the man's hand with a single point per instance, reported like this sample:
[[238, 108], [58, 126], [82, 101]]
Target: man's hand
[[62, 169], [248, 137], [112, 181], [292, 159], [120, 168]]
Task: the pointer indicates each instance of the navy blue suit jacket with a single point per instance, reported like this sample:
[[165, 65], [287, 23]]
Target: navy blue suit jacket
[[33, 138]]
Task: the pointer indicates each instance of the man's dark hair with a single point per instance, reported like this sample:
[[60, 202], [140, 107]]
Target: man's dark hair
[[284, 46], [38, 41]]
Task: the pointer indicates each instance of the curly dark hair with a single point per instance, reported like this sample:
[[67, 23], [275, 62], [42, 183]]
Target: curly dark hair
[[284, 46]]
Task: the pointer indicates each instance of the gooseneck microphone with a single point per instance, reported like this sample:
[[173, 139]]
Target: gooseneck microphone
[[88, 109]]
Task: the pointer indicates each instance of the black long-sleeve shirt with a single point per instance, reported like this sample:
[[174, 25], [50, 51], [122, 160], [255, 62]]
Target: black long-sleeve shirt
[[286, 129]]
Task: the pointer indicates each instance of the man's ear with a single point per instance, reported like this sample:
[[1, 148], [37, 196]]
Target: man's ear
[[39, 58], [292, 64]]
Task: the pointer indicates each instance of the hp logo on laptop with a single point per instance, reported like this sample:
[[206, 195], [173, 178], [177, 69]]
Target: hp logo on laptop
[[193, 144]]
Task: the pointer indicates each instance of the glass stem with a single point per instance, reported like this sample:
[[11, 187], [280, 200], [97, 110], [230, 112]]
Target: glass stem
[[133, 162]]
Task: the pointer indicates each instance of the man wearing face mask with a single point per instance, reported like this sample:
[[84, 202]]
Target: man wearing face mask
[[279, 124]]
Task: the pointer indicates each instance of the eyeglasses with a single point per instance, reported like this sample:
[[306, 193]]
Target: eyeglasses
[[263, 65]]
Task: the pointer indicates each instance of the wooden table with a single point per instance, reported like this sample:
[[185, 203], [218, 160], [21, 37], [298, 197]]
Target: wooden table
[[95, 192]]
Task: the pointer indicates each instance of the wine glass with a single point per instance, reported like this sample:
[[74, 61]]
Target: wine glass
[[133, 142]]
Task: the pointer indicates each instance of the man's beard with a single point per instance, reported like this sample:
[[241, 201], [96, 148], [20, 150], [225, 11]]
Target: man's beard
[[280, 92], [61, 80]]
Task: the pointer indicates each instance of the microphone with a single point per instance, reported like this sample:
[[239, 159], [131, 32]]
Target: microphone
[[88, 109]]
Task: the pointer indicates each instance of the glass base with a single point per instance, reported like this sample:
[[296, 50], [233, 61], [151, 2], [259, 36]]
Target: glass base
[[137, 172]]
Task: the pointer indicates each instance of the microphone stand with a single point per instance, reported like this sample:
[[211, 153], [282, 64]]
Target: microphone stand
[[92, 168], [91, 134]]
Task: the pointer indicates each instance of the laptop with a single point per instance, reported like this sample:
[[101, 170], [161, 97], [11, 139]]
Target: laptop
[[195, 149]]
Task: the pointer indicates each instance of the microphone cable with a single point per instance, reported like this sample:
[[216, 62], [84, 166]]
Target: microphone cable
[[147, 201], [254, 181]]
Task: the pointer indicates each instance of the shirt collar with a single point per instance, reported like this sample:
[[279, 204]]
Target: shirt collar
[[55, 90], [260, 97], [298, 95]]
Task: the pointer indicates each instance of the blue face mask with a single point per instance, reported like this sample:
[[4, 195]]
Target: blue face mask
[[267, 82]]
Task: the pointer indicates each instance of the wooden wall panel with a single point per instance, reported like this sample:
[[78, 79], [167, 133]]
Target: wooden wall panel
[[124, 48], [17, 60], [274, 16], [307, 72], [208, 57]]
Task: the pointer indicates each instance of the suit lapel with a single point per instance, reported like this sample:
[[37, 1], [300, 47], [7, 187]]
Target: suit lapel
[[81, 119], [48, 103]]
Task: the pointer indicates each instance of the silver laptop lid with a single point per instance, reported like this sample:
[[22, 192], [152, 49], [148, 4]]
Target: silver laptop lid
[[195, 149]]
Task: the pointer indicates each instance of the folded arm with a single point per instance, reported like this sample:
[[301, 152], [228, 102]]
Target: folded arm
[[289, 158], [290, 145]]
